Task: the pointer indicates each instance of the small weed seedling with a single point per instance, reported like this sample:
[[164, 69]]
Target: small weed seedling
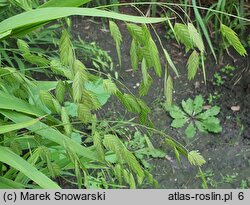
[[193, 115], [226, 71], [213, 97]]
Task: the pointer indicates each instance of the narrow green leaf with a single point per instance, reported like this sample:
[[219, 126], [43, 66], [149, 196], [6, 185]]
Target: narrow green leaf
[[9, 128], [170, 62], [32, 19], [54, 136], [203, 27], [13, 160], [64, 3]]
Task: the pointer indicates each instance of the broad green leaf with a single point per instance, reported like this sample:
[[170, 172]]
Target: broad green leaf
[[212, 124], [178, 122], [64, 3], [213, 111], [32, 19], [15, 161], [198, 103], [190, 130], [188, 106], [176, 112], [98, 88], [201, 127]]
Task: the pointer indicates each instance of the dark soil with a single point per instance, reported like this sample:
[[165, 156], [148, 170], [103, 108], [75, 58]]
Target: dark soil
[[227, 153]]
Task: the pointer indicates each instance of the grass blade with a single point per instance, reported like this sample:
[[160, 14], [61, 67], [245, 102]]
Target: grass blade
[[19, 23], [13, 160], [203, 28]]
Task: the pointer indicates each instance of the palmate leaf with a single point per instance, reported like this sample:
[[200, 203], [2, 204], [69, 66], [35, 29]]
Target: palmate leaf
[[178, 122], [197, 104], [116, 34], [212, 124], [187, 106], [190, 130], [233, 39], [213, 111], [176, 112], [193, 64], [196, 159]]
